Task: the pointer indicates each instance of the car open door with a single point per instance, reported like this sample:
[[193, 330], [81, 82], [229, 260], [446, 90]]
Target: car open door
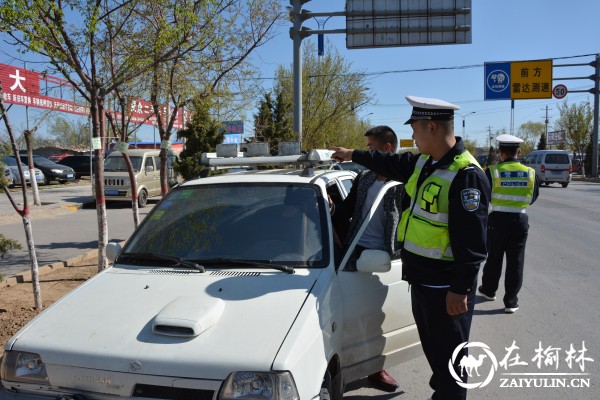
[[378, 327]]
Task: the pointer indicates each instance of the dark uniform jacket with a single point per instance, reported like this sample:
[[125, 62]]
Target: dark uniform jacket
[[347, 215], [467, 229]]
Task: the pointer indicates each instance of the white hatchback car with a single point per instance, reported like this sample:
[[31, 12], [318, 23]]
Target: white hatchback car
[[231, 288]]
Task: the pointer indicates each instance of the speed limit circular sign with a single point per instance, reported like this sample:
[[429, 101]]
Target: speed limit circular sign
[[559, 91]]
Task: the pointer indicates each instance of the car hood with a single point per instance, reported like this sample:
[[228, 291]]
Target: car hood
[[170, 322]]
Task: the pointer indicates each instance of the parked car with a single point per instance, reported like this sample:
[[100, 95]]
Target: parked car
[[11, 163], [8, 176], [80, 164], [52, 171], [551, 166], [146, 166], [229, 289]]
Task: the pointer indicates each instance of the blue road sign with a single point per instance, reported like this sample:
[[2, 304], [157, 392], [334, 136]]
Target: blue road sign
[[497, 81]]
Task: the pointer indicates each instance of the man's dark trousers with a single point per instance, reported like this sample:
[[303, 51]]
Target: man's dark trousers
[[507, 232], [440, 334]]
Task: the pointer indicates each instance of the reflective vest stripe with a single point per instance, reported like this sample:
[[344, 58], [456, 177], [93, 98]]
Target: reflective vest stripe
[[439, 217], [426, 252], [507, 209], [511, 198]]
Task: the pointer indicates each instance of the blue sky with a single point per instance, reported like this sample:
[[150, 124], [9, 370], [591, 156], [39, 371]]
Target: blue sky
[[507, 30]]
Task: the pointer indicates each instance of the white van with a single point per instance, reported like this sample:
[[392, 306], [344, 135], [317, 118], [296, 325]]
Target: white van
[[146, 165], [551, 166]]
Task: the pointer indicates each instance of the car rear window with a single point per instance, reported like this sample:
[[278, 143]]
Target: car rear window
[[557, 159]]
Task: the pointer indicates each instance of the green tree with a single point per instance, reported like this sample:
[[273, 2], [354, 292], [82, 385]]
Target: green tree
[[282, 118], [69, 133], [273, 123], [7, 244], [333, 96], [264, 124], [542, 144], [202, 135], [576, 121], [530, 132]]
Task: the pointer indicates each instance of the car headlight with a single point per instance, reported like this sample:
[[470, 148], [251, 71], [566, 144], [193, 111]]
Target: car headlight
[[259, 385], [20, 366], [57, 171]]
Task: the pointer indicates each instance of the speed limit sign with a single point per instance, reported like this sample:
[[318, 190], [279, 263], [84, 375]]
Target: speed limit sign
[[559, 91]]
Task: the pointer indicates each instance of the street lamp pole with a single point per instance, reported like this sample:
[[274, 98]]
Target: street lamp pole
[[464, 134]]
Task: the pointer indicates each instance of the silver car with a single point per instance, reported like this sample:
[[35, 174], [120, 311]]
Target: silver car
[[11, 164]]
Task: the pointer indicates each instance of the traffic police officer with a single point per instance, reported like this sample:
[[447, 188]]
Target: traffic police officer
[[443, 230], [514, 187]]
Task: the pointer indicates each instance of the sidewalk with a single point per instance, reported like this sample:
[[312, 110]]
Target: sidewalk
[[57, 200]]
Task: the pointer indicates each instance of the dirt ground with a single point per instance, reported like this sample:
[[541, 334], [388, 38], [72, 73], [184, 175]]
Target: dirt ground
[[17, 305]]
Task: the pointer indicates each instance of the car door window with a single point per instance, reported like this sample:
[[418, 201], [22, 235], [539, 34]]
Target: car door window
[[157, 162], [149, 162]]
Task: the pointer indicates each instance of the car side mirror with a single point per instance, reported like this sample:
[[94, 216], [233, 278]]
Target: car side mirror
[[374, 261], [149, 169], [112, 251]]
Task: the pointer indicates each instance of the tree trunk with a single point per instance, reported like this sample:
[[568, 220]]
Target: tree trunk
[[164, 182], [97, 114], [35, 280], [133, 184], [29, 143]]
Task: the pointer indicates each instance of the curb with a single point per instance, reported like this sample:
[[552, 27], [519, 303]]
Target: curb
[[48, 268]]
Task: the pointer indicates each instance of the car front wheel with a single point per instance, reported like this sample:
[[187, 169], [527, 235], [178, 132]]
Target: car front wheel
[[142, 198], [565, 184], [326, 387]]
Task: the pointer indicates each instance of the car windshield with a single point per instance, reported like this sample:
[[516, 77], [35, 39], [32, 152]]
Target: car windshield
[[43, 161], [278, 223], [557, 159], [117, 163], [12, 162]]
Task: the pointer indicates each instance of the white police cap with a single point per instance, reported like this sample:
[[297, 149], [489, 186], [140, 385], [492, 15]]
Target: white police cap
[[507, 140], [430, 109]]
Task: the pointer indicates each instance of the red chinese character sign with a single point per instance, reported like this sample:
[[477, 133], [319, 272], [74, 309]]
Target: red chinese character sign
[[23, 87]]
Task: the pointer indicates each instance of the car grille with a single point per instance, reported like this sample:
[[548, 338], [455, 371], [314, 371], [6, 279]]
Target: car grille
[[114, 182], [172, 393]]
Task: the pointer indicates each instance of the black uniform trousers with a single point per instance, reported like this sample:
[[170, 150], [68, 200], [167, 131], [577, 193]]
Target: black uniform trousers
[[507, 233], [440, 335]]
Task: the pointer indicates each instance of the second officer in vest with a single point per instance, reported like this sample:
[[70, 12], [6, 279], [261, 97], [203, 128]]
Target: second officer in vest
[[443, 230], [514, 187]]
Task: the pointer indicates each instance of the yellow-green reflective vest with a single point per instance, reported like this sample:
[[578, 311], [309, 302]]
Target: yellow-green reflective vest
[[512, 187], [424, 225]]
